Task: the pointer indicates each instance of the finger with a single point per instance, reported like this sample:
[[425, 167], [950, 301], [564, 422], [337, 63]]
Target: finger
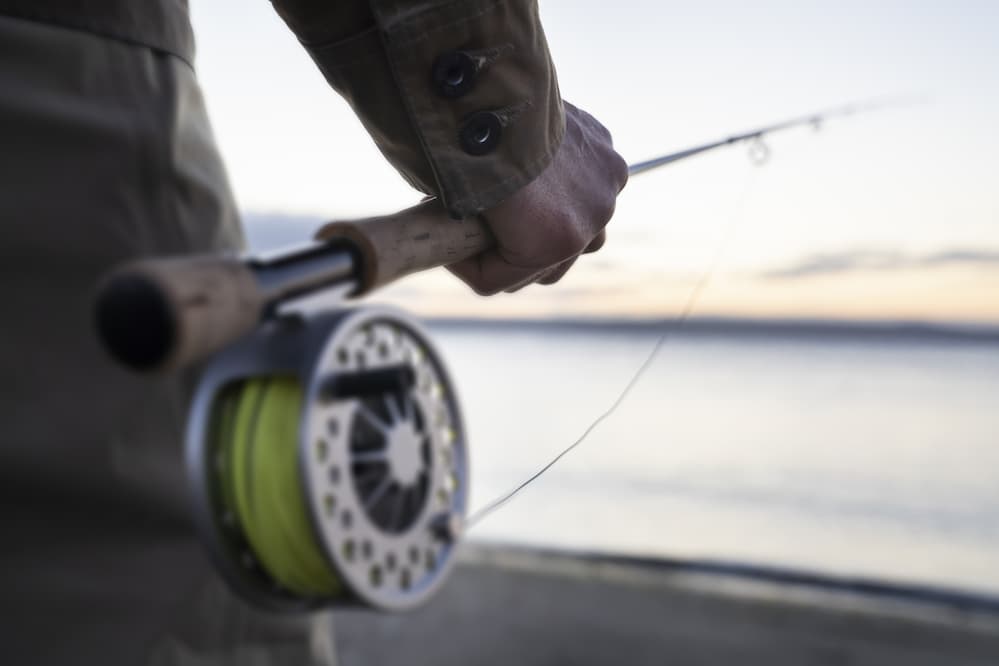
[[557, 273], [622, 172], [597, 242], [524, 283], [489, 273]]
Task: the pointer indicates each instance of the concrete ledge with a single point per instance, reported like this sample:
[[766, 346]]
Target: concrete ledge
[[508, 605]]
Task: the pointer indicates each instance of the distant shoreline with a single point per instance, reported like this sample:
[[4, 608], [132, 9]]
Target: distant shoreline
[[915, 331]]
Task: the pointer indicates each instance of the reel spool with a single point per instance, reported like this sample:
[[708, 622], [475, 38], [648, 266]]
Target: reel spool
[[328, 462]]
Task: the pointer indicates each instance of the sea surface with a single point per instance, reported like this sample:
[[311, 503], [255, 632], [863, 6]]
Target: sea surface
[[848, 452]]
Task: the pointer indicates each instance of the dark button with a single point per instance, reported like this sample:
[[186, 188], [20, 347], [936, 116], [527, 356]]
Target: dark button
[[454, 74], [480, 133]]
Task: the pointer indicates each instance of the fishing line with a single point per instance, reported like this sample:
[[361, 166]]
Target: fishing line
[[302, 501], [291, 485], [759, 154], [257, 441], [669, 324]]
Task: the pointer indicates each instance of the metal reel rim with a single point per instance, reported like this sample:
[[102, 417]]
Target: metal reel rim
[[313, 484]]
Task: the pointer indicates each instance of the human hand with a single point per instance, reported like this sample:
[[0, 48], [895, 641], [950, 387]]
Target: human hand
[[545, 226]]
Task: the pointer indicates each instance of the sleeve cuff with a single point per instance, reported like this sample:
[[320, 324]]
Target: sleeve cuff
[[461, 97]]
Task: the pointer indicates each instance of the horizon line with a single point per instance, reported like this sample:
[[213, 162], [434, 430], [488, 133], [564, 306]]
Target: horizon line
[[984, 331]]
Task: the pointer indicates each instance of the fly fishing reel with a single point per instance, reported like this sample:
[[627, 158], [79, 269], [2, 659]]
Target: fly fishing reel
[[328, 462]]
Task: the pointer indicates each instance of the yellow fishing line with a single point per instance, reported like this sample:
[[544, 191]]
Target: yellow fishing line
[[260, 483]]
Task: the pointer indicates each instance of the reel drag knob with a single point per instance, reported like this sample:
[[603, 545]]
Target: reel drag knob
[[333, 465]]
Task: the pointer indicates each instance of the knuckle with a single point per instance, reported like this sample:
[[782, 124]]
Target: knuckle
[[566, 239], [574, 243], [621, 171], [485, 290], [606, 133], [553, 279], [480, 285], [607, 210], [597, 243]]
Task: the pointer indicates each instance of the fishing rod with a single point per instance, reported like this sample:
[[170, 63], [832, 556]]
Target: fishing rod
[[756, 135], [163, 314], [325, 450]]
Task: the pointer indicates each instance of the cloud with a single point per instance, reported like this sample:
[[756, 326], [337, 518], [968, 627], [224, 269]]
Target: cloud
[[833, 263]]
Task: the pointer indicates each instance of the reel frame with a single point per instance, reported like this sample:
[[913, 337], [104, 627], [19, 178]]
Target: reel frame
[[378, 566]]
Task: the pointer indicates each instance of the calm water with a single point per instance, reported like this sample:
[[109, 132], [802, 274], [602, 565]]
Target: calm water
[[873, 457]]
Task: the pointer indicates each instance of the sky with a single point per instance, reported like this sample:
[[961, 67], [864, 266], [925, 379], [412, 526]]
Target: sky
[[890, 215]]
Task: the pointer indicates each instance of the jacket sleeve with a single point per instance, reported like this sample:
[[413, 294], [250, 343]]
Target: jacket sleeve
[[459, 95]]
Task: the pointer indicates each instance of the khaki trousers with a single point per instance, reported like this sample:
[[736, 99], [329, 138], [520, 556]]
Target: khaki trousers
[[106, 154]]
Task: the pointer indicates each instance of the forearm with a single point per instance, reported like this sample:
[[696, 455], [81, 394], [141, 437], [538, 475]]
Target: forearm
[[460, 96]]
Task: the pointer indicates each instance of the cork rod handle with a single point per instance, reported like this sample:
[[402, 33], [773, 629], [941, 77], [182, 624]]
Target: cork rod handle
[[165, 313], [411, 240]]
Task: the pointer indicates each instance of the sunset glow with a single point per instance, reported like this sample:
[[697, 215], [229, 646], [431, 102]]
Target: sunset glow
[[882, 195]]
